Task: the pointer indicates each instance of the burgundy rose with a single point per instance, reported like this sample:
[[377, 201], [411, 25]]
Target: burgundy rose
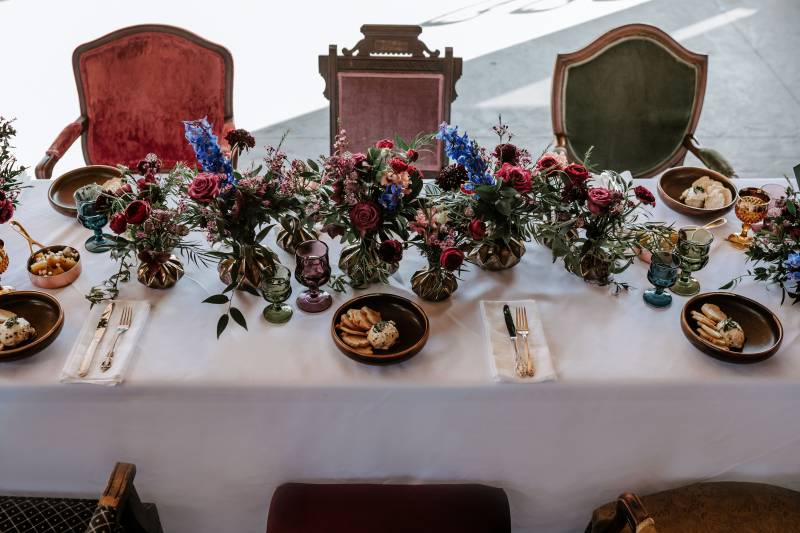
[[451, 259], [576, 173], [204, 187], [547, 164], [241, 138], [398, 165], [118, 223], [137, 212], [412, 170], [365, 216], [358, 158], [477, 229], [390, 251], [102, 203], [412, 155], [6, 208], [517, 177], [385, 143], [600, 199], [644, 195], [151, 164], [507, 153]]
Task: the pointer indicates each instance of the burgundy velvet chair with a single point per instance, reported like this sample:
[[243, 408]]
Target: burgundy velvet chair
[[367, 508], [390, 84], [135, 86]]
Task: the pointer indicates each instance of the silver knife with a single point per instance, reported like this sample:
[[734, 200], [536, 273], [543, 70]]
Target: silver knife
[[512, 332], [99, 331]]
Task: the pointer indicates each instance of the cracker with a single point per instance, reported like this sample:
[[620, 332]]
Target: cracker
[[706, 337], [351, 331], [355, 341], [345, 321], [372, 315], [712, 332], [360, 320], [364, 351], [703, 319]]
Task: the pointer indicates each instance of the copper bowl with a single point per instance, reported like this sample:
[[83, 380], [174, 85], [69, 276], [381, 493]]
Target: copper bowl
[[411, 321], [62, 190], [42, 311], [762, 328], [676, 180], [47, 282]]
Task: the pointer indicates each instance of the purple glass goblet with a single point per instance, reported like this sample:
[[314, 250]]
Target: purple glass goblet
[[313, 270]]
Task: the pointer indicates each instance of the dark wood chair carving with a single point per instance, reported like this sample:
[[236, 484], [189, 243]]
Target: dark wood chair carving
[[390, 84], [368, 508], [635, 95], [118, 509], [135, 86], [729, 507]]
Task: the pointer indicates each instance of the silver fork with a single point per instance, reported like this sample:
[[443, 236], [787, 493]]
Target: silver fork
[[124, 325], [522, 331]]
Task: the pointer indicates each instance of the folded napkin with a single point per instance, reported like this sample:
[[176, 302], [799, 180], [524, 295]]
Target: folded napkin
[[501, 350], [122, 354]]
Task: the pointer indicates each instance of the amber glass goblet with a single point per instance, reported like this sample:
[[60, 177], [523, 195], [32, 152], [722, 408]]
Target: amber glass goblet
[[751, 208]]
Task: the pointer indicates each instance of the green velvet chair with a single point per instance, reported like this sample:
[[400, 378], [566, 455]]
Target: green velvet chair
[[634, 96]]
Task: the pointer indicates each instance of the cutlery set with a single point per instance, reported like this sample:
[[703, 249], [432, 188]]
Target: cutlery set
[[124, 325], [523, 366]]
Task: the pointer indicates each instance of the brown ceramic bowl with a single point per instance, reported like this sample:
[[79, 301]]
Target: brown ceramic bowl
[[676, 180], [762, 328], [42, 311], [410, 319], [63, 187]]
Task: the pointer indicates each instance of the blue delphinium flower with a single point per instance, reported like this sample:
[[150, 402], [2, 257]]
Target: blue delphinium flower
[[206, 148], [792, 264], [465, 152], [390, 199]]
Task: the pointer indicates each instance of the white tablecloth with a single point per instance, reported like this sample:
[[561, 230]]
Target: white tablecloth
[[216, 425]]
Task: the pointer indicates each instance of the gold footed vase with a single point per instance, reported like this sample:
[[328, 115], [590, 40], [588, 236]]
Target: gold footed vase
[[292, 233], [361, 263], [595, 268], [162, 272], [254, 263], [498, 255], [434, 283]]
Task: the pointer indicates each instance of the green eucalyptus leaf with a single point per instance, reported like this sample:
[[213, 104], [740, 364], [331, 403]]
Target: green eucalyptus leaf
[[238, 317], [216, 299], [222, 324]]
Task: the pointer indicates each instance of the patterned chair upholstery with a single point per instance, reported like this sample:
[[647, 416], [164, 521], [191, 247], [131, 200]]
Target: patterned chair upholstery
[[135, 86], [729, 507], [117, 511], [368, 508]]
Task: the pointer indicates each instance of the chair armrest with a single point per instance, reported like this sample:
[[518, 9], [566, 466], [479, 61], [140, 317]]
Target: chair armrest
[[709, 157], [560, 144], [120, 504], [631, 509], [44, 170]]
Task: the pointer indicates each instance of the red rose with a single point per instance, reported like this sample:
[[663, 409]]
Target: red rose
[[577, 173], [358, 158], [123, 189], [118, 223], [644, 195], [451, 259], [412, 170], [204, 187], [390, 251], [477, 229], [6, 209], [547, 164], [412, 155], [600, 199], [398, 165], [506, 153], [365, 216], [137, 211], [517, 177], [385, 143]]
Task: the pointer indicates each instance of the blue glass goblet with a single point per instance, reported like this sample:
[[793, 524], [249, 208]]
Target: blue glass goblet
[[95, 220], [663, 273]]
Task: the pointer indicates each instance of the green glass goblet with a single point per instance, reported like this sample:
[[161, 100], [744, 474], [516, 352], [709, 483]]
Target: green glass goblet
[[276, 289], [693, 248]]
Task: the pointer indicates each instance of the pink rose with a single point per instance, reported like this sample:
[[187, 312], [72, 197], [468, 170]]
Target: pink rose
[[137, 212], [365, 216], [517, 177], [477, 229], [204, 187], [118, 223], [600, 199], [385, 143]]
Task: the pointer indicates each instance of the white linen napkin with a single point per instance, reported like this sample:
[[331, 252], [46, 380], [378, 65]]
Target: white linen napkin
[[125, 346], [501, 350]]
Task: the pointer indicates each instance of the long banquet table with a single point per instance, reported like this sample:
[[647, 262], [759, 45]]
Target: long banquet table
[[215, 426]]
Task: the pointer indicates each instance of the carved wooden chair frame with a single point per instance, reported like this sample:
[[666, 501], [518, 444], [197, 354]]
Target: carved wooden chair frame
[[80, 126], [631, 31], [384, 49]]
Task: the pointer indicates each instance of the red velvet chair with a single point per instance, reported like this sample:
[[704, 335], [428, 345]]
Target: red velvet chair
[[363, 508], [135, 86]]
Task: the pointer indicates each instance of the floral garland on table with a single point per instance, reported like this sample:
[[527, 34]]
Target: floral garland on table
[[591, 222], [10, 172], [370, 198], [150, 224], [489, 196], [775, 249]]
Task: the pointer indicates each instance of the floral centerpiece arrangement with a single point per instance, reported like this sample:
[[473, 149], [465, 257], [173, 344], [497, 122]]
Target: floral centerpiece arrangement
[[592, 222], [10, 172], [441, 244], [488, 196], [150, 225], [775, 250], [371, 198]]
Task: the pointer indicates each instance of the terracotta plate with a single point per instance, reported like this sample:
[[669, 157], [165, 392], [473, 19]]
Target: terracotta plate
[[42, 311], [411, 321], [762, 329], [676, 180], [64, 186]]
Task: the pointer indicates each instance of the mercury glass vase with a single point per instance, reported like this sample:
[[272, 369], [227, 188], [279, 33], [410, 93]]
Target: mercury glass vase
[[499, 254], [293, 232], [362, 264], [253, 261], [434, 283], [161, 271]]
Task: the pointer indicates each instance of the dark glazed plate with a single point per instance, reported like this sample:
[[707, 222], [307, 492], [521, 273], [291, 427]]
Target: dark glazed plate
[[64, 186], [410, 319], [676, 180], [42, 311], [763, 331]]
